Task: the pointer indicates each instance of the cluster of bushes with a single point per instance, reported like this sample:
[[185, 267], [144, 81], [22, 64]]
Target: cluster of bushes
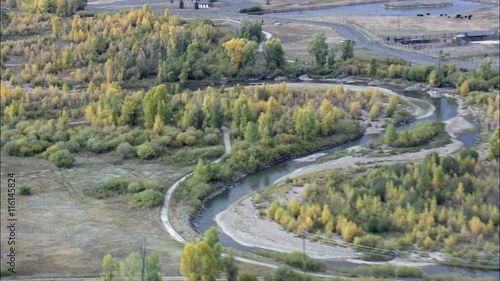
[[295, 259], [191, 156], [418, 135], [140, 194], [286, 273], [252, 9], [385, 271], [109, 188]]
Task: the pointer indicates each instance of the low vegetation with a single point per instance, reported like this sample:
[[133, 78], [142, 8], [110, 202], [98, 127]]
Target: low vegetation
[[456, 209], [385, 271], [415, 4], [139, 194], [289, 125], [252, 9], [295, 260], [25, 190], [424, 135]]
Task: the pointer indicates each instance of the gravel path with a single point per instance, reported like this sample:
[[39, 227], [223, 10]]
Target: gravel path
[[164, 216]]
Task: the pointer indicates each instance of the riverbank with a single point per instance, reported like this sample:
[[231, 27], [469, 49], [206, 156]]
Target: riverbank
[[377, 126], [241, 221], [292, 6], [416, 4]]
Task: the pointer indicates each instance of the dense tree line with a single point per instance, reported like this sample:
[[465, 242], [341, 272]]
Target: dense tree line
[[270, 124], [129, 46], [60, 7], [146, 125], [448, 203], [338, 60]]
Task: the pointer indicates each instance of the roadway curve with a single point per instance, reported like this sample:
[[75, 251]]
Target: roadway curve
[[171, 231], [168, 196], [347, 32]]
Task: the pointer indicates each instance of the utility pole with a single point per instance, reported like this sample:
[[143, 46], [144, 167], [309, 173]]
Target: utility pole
[[304, 252], [440, 58], [143, 255], [398, 21]]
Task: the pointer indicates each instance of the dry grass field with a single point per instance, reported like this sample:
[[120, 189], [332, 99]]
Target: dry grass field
[[287, 5], [295, 37], [483, 19], [62, 232]]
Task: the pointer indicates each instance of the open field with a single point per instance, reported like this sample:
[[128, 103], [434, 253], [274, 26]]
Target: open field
[[483, 19], [60, 230], [376, 27], [295, 37], [288, 5], [414, 4]]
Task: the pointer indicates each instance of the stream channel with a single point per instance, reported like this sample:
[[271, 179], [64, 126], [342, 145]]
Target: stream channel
[[445, 109]]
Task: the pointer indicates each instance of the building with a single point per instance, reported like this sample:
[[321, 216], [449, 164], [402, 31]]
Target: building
[[475, 35], [204, 5]]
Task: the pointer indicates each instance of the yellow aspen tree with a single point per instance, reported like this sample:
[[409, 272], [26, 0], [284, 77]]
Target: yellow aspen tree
[[464, 88], [294, 207], [158, 125]]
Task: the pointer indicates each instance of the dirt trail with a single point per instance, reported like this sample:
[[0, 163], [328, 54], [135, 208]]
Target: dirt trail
[[164, 213]]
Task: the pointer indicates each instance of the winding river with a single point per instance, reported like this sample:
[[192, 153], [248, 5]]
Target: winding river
[[445, 109]]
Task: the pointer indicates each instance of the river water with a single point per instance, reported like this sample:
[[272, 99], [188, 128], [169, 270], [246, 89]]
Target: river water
[[445, 109], [377, 9]]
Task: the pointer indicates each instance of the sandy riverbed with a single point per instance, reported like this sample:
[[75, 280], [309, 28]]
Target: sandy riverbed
[[241, 221]]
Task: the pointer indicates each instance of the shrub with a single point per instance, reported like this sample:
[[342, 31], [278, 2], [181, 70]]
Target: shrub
[[146, 198], [109, 188], [12, 148], [252, 9], [410, 272], [73, 146], [62, 159], [367, 240], [97, 145], [125, 150], [4, 272], [146, 151], [25, 190], [192, 155], [211, 139], [134, 187], [285, 273], [469, 152], [248, 277]]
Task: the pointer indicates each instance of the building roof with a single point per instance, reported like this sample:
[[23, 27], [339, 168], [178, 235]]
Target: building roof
[[476, 33]]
